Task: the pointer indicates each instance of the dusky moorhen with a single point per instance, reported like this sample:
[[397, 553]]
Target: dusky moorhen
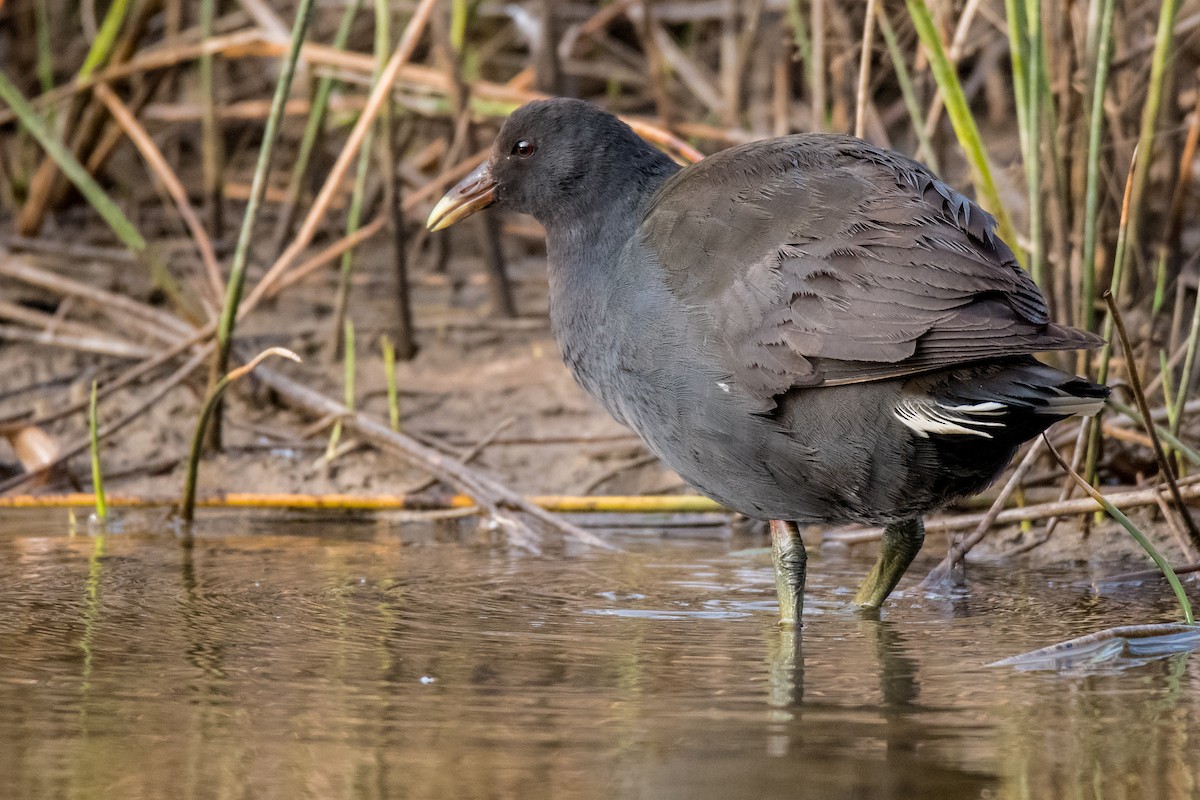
[[806, 329]]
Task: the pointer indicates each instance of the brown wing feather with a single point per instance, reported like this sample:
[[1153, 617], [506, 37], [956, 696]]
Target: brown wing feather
[[822, 260]]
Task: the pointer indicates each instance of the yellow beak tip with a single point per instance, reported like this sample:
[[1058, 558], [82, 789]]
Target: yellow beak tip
[[474, 192], [439, 217]]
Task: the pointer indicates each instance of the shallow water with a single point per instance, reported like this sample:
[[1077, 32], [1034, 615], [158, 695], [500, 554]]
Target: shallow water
[[331, 660]]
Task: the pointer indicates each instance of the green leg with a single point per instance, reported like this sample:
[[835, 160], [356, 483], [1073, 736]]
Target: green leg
[[901, 541], [791, 562]]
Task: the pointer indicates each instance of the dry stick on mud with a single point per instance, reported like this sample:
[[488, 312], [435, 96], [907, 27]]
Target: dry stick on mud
[[489, 494], [467, 456], [124, 379], [81, 445], [87, 343], [492, 496], [58, 331], [1080, 505], [20, 269], [150, 321]]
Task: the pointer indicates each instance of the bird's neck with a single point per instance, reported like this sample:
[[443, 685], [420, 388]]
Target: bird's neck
[[587, 275], [584, 241]]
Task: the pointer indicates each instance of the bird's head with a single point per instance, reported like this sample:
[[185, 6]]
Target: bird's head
[[553, 159]]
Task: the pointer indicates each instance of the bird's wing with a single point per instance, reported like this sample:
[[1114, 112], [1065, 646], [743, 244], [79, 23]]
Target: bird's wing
[[820, 260]]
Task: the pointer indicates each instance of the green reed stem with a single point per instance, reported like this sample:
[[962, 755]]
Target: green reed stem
[[1091, 212], [1033, 119], [458, 24], [389, 371], [75, 172], [925, 150], [187, 505], [1014, 13], [45, 60], [258, 187], [353, 220], [1105, 355], [348, 393], [1163, 41], [94, 448], [961, 119], [362, 168], [803, 40], [106, 38], [211, 149], [1185, 376], [312, 128]]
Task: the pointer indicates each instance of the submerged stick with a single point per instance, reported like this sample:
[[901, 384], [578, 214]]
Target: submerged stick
[[1081, 643]]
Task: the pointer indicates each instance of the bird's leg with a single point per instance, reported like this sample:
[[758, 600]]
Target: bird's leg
[[901, 541], [791, 562]]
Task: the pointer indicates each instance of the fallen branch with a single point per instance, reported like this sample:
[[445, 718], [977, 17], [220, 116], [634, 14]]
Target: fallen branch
[[1085, 650], [1081, 505], [492, 496], [161, 325]]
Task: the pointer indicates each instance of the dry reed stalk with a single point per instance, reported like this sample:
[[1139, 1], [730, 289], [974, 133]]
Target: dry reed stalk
[[316, 214], [864, 70], [159, 166]]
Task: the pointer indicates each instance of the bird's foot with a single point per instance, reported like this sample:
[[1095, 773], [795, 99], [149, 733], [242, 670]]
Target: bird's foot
[[899, 546], [791, 564]]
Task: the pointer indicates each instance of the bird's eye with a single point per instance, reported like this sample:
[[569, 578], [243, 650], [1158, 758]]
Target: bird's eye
[[524, 148]]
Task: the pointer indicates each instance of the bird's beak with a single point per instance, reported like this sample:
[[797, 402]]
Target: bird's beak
[[474, 192]]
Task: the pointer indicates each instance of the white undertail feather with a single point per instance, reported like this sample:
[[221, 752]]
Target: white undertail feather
[[924, 415], [1070, 404]]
